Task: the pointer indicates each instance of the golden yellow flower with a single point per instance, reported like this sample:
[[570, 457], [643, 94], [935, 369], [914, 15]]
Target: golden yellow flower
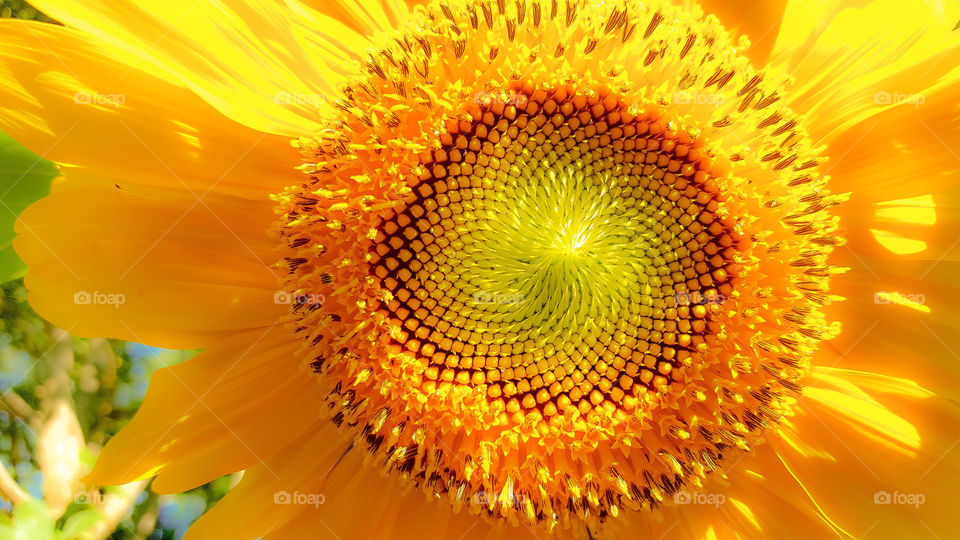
[[528, 268]]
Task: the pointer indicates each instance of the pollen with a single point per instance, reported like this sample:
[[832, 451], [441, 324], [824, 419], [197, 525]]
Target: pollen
[[573, 260]]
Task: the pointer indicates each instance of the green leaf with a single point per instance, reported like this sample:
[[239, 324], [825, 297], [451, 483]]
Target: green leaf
[[24, 178], [32, 522], [79, 523]]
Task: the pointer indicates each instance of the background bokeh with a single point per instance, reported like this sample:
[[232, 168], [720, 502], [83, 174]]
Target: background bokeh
[[62, 398]]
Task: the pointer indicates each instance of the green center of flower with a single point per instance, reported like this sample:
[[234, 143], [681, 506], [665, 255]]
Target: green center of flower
[[555, 249]]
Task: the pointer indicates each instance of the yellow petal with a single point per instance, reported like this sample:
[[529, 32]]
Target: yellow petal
[[899, 317], [309, 474], [759, 21], [363, 16], [867, 416], [243, 58], [229, 408], [400, 515], [66, 98], [163, 270], [871, 482], [854, 58]]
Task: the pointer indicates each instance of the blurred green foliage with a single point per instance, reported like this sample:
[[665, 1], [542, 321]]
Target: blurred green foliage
[[20, 10], [24, 178], [106, 381]]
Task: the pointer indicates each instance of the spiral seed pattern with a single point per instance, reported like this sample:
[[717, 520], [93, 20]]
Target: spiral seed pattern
[[550, 252]]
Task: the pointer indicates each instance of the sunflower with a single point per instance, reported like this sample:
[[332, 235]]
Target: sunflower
[[525, 268]]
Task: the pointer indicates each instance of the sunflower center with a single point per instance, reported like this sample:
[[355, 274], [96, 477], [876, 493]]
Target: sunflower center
[[545, 255], [554, 289]]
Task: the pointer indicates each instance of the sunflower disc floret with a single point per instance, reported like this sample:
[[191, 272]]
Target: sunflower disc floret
[[574, 260]]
